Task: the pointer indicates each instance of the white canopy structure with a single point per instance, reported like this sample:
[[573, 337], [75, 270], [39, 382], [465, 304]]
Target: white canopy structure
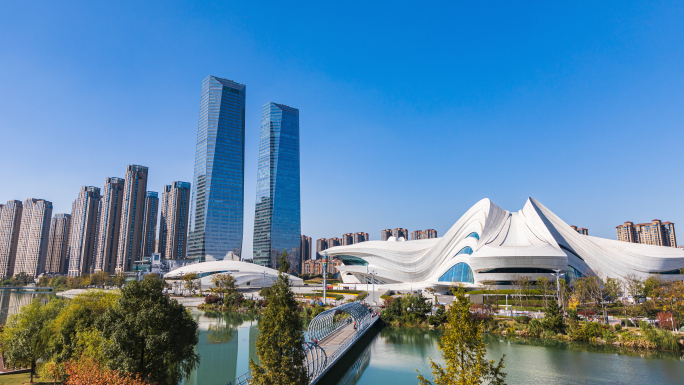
[[489, 243], [245, 274]]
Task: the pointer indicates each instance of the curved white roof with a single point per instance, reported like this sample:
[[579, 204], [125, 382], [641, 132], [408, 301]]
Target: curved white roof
[[245, 274], [497, 245]]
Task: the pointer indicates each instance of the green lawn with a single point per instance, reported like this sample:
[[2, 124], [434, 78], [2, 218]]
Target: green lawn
[[18, 379]]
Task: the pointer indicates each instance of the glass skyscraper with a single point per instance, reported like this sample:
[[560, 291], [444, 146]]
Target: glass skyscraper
[[277, 222], [217, 197]]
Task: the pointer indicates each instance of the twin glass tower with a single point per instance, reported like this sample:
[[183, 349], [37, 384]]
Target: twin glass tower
[[217, 202]]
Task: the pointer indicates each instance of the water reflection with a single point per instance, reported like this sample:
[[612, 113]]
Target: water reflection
[[12, 300], [226, 343], [356, 370], [395, 354]]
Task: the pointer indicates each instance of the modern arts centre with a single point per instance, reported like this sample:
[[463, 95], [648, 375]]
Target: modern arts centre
[[491, 244]]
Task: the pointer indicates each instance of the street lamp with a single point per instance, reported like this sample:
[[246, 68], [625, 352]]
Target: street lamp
[[325, 275], [558, 274], [372, 273]]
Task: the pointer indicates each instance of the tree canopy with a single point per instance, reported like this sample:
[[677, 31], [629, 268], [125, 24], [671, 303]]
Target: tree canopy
[[146, 332], [464, 351], [281, 339], [26, 335]]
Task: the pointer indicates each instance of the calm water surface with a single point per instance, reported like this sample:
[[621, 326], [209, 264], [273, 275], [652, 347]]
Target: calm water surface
[[390, 356]]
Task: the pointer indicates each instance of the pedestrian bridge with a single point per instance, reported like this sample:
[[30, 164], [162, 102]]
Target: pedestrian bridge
[[329, 336]]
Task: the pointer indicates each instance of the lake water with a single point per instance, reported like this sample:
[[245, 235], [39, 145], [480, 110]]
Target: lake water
[[390, 356], [12, 300]]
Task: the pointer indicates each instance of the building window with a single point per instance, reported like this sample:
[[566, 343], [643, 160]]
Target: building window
[[460, 272], [350, 260], [572, 274], [474, 235]]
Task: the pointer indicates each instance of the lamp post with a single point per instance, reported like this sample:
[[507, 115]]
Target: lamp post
[[372, 274], [325, 275], [558, 274]]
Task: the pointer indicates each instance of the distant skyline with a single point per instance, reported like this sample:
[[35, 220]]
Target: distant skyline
[[409, 115]]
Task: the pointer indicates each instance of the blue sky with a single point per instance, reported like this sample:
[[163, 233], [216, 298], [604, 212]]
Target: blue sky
[[408, 114]]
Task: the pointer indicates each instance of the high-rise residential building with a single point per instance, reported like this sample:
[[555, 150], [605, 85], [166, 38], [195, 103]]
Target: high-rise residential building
[[581, 230], [110, 224], [150, 224], [361, 237], [217, 198], [173, 227], [400, 233], [83, 236], [385, 234], [10, 222], [34, 234], [423, 234], [306, 248], [132, 215], [655, 233], [321, 244], [58, 246], [332, 242], [347, 239], [277, 216]]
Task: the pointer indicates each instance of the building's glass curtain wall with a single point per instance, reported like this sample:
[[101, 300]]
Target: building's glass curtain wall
[[460, 272], [217, 201], [277, 222]]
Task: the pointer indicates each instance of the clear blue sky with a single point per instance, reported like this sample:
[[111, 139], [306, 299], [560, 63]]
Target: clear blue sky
[[409, 114]]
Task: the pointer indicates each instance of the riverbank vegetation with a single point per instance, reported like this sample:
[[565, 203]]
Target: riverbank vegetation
[[463, 351], [646, 316], [135, 336]]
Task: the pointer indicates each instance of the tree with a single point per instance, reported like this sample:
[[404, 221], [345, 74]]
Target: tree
[[191, 282], [612, 288], [553, 320], [488, 286], [225, 285], [651, 284], [88, 371], [545, 286], [634, 285], [464, 351], [149, 333], [73, 331], [280, 344], [26, 335]]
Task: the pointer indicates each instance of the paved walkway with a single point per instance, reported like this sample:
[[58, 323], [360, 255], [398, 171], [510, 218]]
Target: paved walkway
[[333, 342]]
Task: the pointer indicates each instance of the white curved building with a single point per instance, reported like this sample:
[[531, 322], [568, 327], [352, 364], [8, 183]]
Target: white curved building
[[489, 243], [245, 274]]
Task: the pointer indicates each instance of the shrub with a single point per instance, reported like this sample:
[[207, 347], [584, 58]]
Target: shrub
[[212, 299], [536, 328], [618, 327], [523, 319]]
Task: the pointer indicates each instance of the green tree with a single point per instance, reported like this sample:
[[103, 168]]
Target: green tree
[[464, 351], [26, 335], [651, 284], [191, 282], [280, 342], [73, 332], [553, 320], [545, 286], [225, 286], [148, 333]]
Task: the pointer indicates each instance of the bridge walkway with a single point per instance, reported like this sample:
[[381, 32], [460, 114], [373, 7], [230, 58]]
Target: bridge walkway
[[329, 338]]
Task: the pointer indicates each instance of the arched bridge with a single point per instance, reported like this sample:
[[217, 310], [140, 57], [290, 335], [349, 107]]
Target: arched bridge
[[330, 334]]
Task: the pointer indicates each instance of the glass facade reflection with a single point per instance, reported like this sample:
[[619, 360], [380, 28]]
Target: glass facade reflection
[[460, 272], [217, 202], [277, 221]]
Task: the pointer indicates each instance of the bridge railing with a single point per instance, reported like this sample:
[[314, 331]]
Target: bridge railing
[[322, 326]]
